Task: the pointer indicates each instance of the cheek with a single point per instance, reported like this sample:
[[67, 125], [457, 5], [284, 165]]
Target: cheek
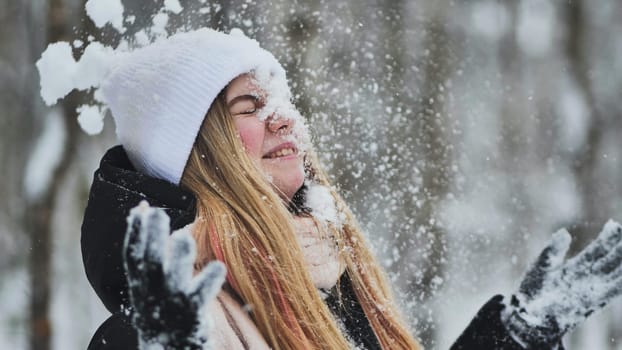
[[251, 136]]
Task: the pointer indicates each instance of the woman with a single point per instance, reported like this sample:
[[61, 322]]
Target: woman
[[299, 273], [246, 172]]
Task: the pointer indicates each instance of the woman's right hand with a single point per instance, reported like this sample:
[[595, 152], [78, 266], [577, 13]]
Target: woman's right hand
[[168, 303]]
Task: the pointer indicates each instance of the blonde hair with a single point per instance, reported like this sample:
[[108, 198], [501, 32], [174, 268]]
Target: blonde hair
[[243, 222]]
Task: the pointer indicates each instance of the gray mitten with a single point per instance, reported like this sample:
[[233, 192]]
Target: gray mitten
[[558, 294], [168, 304]]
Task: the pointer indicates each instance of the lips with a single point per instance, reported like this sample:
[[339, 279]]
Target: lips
[[281, 151]]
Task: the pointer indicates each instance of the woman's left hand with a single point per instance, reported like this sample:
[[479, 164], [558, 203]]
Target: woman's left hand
[[558, 294], [320, 252]]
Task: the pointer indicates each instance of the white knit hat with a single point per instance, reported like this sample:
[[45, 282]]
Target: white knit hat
[[160, 94]]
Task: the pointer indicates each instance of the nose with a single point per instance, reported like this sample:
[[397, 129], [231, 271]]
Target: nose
[[279, 124]]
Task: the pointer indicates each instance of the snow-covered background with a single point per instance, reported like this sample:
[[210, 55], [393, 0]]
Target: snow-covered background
[[462, 133]]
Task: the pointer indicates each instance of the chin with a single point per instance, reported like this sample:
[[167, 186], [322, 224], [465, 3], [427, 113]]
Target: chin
[[289, 184], [286, 178]]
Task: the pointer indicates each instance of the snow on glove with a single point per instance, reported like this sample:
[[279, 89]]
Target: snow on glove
[[168, 304], [558, 294]]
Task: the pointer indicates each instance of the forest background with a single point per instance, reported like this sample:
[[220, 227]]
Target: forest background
[[463, 133]]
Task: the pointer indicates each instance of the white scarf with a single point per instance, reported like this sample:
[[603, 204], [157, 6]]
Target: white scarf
[[320, 253]]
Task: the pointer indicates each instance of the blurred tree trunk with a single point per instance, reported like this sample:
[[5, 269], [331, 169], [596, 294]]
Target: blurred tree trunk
[[513, 142], [301, 30], [422, 250], [434, 145], [39, 213], [16, 127], [585, 160], [512, 109]]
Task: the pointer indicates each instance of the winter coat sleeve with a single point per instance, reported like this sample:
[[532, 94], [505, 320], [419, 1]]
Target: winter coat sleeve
[[115, 333], [487, 332]]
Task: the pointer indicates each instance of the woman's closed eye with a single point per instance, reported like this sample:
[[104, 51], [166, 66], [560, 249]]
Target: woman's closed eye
[[245, 105], [249, 111]]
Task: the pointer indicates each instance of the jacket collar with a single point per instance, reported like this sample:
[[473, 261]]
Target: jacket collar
[[117, 187]]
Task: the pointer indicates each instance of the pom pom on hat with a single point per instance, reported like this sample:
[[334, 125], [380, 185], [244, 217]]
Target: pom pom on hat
[[160, 94]]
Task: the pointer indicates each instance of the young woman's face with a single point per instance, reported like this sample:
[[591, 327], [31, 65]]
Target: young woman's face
[[269, 142]]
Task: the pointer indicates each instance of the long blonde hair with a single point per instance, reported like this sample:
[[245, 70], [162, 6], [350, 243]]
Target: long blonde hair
[[243, 222]]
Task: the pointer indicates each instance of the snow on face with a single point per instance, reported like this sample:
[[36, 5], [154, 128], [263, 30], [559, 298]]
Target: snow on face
[[279, 106], [266, 138]]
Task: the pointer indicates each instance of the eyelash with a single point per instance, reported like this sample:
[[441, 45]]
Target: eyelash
[[249, 111]]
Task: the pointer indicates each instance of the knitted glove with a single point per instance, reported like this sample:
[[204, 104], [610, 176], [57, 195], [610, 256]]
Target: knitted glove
[[167, 303], [558, 294]]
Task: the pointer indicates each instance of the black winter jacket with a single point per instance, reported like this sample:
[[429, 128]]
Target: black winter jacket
[[117, 187]]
